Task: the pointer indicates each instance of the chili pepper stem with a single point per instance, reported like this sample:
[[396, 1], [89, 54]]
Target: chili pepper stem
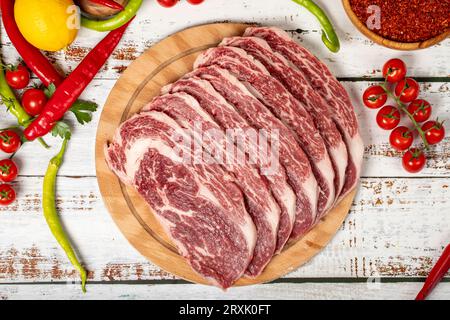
[[403, 108], [51, 214], [43, 143]]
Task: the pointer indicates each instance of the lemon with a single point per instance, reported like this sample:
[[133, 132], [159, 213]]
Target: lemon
[[49, 25]]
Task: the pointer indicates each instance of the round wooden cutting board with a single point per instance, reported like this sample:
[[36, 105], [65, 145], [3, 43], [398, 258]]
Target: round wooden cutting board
[[162, 64]]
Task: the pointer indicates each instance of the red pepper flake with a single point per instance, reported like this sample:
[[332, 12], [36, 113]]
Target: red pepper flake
[[406, 20]]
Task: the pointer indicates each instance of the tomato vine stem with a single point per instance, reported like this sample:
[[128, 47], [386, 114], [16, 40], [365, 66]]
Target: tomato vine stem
[[403, 108]]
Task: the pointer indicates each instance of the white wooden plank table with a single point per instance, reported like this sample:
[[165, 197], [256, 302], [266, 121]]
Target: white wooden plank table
[[398, 225]]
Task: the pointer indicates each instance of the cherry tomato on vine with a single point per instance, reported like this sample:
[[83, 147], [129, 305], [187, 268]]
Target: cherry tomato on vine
[[388, 117], [167, 3], [434, 131], [8, 170], [7, 194], [195, 1], [17, 77], [9, 141], [394, 70], [414, 160], [401, 138], [407, 90], [33, 101], [374, 97], [420, 110]]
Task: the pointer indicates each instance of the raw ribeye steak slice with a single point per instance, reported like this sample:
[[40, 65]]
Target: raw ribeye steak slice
[[199, 206], [186, 111]]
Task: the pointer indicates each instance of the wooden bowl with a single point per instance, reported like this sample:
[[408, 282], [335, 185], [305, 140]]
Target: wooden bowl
[[406, 46]]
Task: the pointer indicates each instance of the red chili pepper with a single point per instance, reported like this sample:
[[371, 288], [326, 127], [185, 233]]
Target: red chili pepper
[[72, 87], [32, 57], [436, 274], [109, 3]]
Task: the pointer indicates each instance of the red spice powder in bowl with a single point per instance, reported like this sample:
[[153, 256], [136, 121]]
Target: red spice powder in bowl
[[406, 21]]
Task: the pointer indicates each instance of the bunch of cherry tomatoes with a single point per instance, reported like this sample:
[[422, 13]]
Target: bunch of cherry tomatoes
[[33, 101], [405, 92], [171, 3]]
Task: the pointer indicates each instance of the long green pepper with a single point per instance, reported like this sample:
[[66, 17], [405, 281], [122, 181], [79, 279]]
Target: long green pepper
[[51, 214], [115, 22], [329, 36]]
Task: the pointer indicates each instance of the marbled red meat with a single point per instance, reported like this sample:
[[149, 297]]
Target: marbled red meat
[[265, 212], [329, 142], [228, 118], [283, 105], [200, 206], [323, 81], [229, 218]]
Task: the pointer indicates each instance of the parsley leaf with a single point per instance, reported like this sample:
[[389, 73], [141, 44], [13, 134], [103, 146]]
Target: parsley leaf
[[61, 129], [83, 110]]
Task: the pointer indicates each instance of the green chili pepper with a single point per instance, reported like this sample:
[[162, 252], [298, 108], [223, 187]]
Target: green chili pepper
[[13, 105], [329, 36], [115, 22], [51, 214]]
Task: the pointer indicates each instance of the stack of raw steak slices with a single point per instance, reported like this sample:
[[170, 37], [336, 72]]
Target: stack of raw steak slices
[[281, 113]]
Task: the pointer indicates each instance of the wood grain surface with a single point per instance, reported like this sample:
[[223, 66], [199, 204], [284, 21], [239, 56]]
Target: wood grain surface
[[396, 229]]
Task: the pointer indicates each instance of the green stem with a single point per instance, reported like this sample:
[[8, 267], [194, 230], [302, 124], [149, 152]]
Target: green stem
[[51, 213], [329, 36], [43, 143], [403, 108]]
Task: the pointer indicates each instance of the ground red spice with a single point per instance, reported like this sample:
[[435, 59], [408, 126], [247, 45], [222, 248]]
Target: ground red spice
[[406, 20]]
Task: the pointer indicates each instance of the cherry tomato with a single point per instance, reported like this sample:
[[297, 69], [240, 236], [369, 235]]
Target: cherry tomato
[[394, 70], [8, 170], [33, 101], [17, 77], [7, 194], [414, 160], [195, 1], [388, 117], [420, 110], [434, 131], [407, 89], [167, 3], [9, 141], [374, 97], [401, 138]]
